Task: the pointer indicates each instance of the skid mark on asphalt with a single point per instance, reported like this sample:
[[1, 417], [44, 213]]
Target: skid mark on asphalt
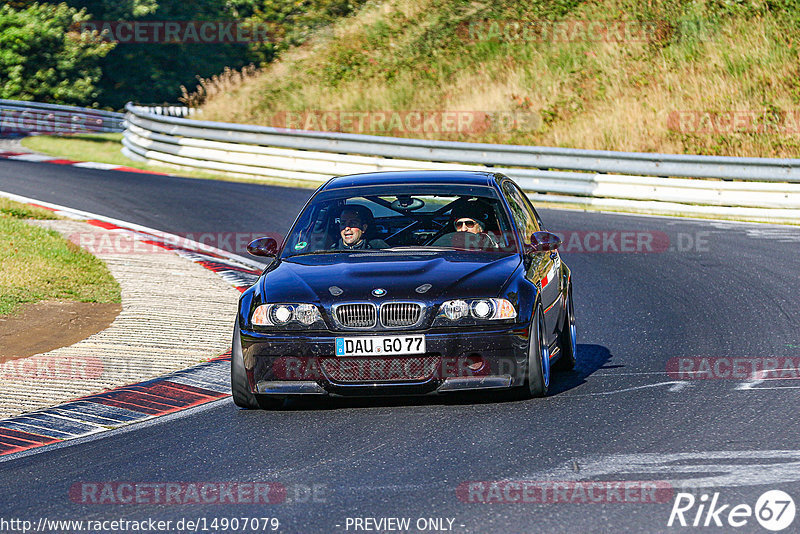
[[676, 385], [705, 469], [775, 383]]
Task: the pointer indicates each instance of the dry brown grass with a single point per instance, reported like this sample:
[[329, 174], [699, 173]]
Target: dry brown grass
[[598, 95]]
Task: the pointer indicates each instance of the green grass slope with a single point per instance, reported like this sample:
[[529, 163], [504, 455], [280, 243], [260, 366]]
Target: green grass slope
[[710, 77]]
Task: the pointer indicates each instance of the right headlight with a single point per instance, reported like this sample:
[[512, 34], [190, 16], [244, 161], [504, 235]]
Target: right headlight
[[297, 315], [454, 311]]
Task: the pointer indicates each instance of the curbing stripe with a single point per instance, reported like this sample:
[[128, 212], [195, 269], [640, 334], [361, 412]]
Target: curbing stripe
[[43, 158], [51, 422], [95, 165], [174, 392], [138, 401], [25, 436], [13, 424], [31, 157], [180, 390], [98, 413], [15, 443]]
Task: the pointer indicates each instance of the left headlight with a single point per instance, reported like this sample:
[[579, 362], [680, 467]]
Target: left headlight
[[476, 309], [297, 315]]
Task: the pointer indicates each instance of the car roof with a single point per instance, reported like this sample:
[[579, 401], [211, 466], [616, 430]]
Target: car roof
[[478, 178]]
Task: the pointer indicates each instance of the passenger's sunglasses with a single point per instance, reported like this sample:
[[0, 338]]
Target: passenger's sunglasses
[[469, 223]]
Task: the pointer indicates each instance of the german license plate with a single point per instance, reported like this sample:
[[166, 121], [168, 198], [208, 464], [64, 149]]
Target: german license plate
[[380, 345]]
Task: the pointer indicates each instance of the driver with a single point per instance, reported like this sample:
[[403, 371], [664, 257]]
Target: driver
[[354, 220]]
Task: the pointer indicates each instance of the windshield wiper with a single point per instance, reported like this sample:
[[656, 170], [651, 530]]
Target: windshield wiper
[[326, 251], [421, 248], [337, 251]]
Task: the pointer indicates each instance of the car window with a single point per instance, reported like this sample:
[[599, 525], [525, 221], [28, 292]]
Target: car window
[[392, 220], [521, 211]]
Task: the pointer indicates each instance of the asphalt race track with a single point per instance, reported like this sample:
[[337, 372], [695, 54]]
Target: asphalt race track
[[724, 293]]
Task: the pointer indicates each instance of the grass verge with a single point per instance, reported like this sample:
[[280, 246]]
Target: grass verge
[[38, 264]]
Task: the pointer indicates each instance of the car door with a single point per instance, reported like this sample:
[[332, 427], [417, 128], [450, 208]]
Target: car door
[[544, 266]]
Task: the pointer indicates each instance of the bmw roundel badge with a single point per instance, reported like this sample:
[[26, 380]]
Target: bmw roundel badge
[[379, 292]]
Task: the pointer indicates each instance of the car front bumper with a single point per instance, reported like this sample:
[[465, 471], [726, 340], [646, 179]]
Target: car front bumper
[[455, 360]]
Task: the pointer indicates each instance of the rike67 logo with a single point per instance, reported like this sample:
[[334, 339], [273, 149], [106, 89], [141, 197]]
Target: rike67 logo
[[774, 510]]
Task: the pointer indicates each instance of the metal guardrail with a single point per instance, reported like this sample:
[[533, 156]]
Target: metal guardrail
[[19, 117], [740, 187]]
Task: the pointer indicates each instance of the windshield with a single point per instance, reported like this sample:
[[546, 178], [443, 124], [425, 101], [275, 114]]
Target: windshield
[[398, 219]]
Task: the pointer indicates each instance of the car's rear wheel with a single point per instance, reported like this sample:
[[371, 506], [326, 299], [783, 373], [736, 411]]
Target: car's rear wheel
[[240, 387], [537, 374], [568, 337]]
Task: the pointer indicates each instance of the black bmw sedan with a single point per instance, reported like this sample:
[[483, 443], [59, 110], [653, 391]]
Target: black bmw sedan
[[406, 283]]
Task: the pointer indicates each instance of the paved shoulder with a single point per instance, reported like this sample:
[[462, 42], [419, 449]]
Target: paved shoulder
[[175, 313]]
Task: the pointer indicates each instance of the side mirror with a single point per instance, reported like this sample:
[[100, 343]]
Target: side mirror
[[263, 246], [544, 241]]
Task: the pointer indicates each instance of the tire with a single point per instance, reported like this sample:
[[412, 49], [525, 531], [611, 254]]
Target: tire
[[537, 374], [568, 337], [240, 387]]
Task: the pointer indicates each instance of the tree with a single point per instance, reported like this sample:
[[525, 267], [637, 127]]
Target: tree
[[153, 72], [44, 58]]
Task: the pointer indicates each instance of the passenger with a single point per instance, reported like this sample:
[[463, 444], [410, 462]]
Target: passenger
[[354, 221], [472, 217]]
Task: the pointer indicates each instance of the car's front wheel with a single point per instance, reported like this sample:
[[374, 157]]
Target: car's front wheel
[[568, 337], [537, 374], [240, 388]]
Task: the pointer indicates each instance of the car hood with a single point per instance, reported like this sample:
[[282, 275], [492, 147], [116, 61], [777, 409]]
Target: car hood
[[330, 278]]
